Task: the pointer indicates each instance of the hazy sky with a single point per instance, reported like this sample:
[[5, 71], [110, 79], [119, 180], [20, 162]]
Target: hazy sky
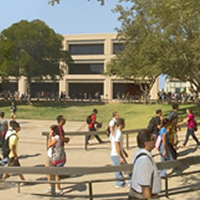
[[68, 17]]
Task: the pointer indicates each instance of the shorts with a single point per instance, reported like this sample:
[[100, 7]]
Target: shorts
[[13, 162], [49, 161]]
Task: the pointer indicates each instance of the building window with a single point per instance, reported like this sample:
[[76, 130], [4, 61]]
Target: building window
[[86, 49], [117, 47], [83, 68]]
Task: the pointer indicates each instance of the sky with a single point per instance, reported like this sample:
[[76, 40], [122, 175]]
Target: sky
[[68, 17]]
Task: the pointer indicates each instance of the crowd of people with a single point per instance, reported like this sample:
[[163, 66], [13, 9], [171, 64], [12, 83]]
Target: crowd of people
[[144, 179]]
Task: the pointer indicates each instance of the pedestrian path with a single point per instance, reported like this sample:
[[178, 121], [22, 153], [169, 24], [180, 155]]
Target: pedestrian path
[[32, 151]]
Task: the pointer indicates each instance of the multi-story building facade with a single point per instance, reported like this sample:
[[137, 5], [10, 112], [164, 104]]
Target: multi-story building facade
[[91, 53]]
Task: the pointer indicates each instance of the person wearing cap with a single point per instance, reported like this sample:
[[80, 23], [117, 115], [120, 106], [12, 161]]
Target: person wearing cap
[[91, 126]]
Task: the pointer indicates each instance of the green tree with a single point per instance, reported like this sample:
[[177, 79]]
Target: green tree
[[33, 50], [138, 61]]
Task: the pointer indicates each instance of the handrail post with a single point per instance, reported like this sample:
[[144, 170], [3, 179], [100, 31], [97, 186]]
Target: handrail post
[[127, 141], [47, 140], [53, 189], [90, 190], [166, 187], [86, 142]]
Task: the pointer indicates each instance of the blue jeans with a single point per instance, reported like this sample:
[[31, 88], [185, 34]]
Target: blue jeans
[[163, 159], [116, 162], [4, 161], [190, 131]]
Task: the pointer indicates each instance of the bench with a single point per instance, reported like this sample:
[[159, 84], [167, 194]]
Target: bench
[[98, 170]]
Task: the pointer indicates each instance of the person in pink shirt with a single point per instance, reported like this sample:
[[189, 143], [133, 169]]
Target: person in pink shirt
[[190, 120]]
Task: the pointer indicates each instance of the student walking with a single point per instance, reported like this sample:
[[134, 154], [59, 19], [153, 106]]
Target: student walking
[[56, 155], [13, 144], [191, 123], [145, 181], [118, 153], [91, 126]]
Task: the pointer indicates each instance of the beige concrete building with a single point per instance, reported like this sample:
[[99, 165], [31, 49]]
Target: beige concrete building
[[90, 53]]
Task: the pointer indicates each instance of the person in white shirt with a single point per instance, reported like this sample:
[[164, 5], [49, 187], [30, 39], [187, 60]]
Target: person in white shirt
[[118, 153], [145, 181], [113, 122]]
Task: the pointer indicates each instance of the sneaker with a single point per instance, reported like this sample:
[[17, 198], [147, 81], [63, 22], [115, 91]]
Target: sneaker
[[181, 146], [59, 192], [119, 186], [48, 190]]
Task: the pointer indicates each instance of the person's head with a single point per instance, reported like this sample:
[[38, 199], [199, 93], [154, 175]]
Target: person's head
[[11, 123], [146, 140], [121, 123], [159, 112], [61, 120], [13, 103], [116, 115], [175, 106], [165, 122], [16, 126], [2, 114], [189, 111], [54, 130], [95, 111]]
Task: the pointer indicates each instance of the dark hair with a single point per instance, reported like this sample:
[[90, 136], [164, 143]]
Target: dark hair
[[59, 118], [158, 111], [15, 125], [115, 113], [142, 137], [2, 114], [120, 121], [11, 123], [165, 121], [95, 110], [175, 106], [190, 110], [55, 129]]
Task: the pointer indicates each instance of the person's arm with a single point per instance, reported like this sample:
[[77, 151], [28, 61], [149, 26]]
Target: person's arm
[[13, 149], [125, 153], [117, 146], [112, 130], [183, 122], [51, 142], [164, 145], [64, 139], [146, 192]]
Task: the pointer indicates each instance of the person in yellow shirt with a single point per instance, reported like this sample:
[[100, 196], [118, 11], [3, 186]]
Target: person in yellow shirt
[[13, 143]]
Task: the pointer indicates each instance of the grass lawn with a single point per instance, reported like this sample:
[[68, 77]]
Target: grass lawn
[[136, 115]]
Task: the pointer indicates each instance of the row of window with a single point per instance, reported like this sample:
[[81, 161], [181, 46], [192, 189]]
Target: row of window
[[92, 49]]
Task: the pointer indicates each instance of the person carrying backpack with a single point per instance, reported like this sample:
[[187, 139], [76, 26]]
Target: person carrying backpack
[[13, 144], [155, 123], [3, 127], [91, 126]]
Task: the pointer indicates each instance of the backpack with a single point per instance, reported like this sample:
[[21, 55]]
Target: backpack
[[107, 130], [5, 147], [88, 119], [151, 125], [195, 126]]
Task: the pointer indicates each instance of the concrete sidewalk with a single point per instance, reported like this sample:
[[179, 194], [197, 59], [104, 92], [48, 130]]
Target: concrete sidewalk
[[32, 151]]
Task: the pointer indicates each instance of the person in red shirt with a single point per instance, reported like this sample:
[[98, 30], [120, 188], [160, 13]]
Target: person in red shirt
[[92, 127]]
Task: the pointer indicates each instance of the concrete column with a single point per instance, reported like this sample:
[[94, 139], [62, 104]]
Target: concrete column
[[22, 85], [155, 89]]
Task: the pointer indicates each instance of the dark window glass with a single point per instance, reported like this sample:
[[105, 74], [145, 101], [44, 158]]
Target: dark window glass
[[85, 90], [86, 49], [117, 47], [86, 68]]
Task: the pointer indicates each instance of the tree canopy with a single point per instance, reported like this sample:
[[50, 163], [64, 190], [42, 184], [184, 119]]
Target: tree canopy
[[159, 37], [33, 50]]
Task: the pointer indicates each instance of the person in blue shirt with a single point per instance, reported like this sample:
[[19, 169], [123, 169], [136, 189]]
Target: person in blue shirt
[[165, 154]]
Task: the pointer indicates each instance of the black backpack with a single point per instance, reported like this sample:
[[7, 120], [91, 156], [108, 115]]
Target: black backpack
[[88, 119], [151, 125], [5, 147]]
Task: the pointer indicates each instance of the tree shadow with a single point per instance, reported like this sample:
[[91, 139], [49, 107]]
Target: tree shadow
[[186, 152]]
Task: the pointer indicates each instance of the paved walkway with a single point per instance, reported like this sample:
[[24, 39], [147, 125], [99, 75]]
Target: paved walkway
[[32, 151]]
